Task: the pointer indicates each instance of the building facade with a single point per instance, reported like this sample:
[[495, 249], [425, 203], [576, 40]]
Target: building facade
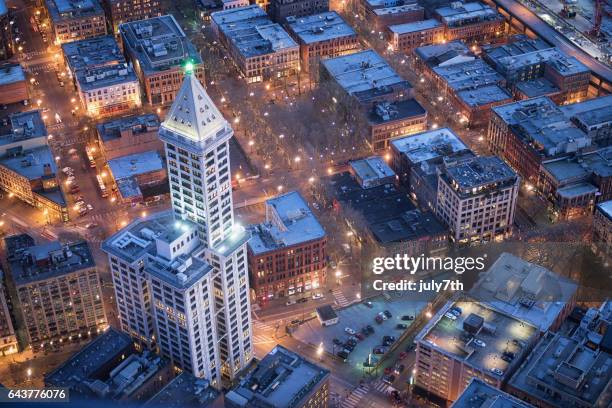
[[389, 121], [382, 13], [13, 85], [7, 45], [602, 230], [477, 199], [129, 135], [287, 252], [472, 22], [279, 10], [8, 340], [74, 20], [59, 292], [159, 51], [133, 10], [408, 36]]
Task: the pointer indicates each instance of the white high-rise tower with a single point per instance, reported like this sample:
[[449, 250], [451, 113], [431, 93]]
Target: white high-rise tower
[[195, 265], [196, 138]]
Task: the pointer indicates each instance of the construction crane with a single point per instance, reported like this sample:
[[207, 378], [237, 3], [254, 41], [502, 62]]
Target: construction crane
[[599, 10]]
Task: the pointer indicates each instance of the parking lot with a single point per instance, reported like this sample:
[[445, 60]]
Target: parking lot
[[358, 316]]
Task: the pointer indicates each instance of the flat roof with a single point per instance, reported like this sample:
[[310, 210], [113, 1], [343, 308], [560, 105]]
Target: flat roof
[[320, 27], [429, 145], [479, 394], [557, 362], [580, 167], [158, 43], [25, 125], [136, 164], [468, 75], [524, 290], [497, 332], [297, 225], [553, 57], [11, 73], [282, 379], [112, 129], [185, 390], [484, 95], [537, 87], [593, 104], [384, 112], [461, 14], [105, 348], [436, 54], [606, 208], [104, 76], [416, 26], [404, 8], [577, 190], [362, 72], [92, 53], [252, 32], [371, 168], [49, 260], [479, 171], [31, 163], [60, 10]]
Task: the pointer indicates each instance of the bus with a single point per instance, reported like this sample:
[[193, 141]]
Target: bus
[[101, 186]]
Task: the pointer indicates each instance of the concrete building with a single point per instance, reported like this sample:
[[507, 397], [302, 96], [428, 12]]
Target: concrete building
[[279, 10], [381, 215], [27, 167], [366, 77], [195, 262], [380, 14], [8, 340], [479, 394], [476, 342], [593, 117], [186, 391], [523, 61], [7, 44], [159, 51], [529, 132], [282, 379], [320, 36], [74, 20], [417, 158], [387, 121], [371, 172], [428, 57], [527, 291], [13, 85], [472, 22], [121, 12], [91, 53], [59, 291], [287, 252], [408, 36], [109, 90], [129, 135], [477, 199], [262, 50], [133, 378], [602, 230], [570, 370], [133, 173]]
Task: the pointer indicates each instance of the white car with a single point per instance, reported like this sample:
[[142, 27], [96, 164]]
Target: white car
[[497, 371], [89, 207], [290, 302], [317, 296], [480, 343], [348, 330], [450, 316], [67, 170]]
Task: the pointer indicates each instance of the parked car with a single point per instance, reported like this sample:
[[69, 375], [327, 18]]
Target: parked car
[[352, 341], [370, 329], [379, 350], [401, 326], [388, 314], [383, 316], [450, 316], [337, 341], [348, 330], [343, 354], [317, 296], [399, 368], [497, 371], [407, 317], [348, 346], [360, 336], [368, 304], [388, 370], [302, 300], [290, 302], [457, 309], [389, 379], [379, 319], [479, 343]]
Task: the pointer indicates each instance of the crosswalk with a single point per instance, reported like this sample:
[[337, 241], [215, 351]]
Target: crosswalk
[[340, 298], [262, 332], [44, 67], [355, 397], [382, 387]]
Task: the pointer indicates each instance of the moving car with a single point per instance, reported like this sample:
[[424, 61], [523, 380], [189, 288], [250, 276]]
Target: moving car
[[348, 330]]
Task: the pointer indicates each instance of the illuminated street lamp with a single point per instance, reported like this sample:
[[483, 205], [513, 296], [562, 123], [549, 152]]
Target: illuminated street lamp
[[279, 188]]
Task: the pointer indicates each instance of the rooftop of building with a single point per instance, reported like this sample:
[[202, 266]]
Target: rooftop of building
[[371, 169], [460, 14], [49, 260], [384, 112], [93, 357], [112, 129], [60, 10], [524, 290], [479, 172], [14, 243], [252, 32], [484, 95], [387, 212], [436, 54], [593, 104], [11, 73], [577, 190], [606, 208], [282, 379], [363, 72], [105, 76], [185, 391], [158, 44], [92, 53], [429, 145], [499, 332], [375, 4], [517, 45], [578, 167], [537, 87], [479, 394], [404, 8], [136, 164], [297, 225], [31, 163], [415, 26], [24, 126], [562, 367], [320, 27], [469, 75]]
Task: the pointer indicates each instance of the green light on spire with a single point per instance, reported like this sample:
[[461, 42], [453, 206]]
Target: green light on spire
[[189, 67]]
